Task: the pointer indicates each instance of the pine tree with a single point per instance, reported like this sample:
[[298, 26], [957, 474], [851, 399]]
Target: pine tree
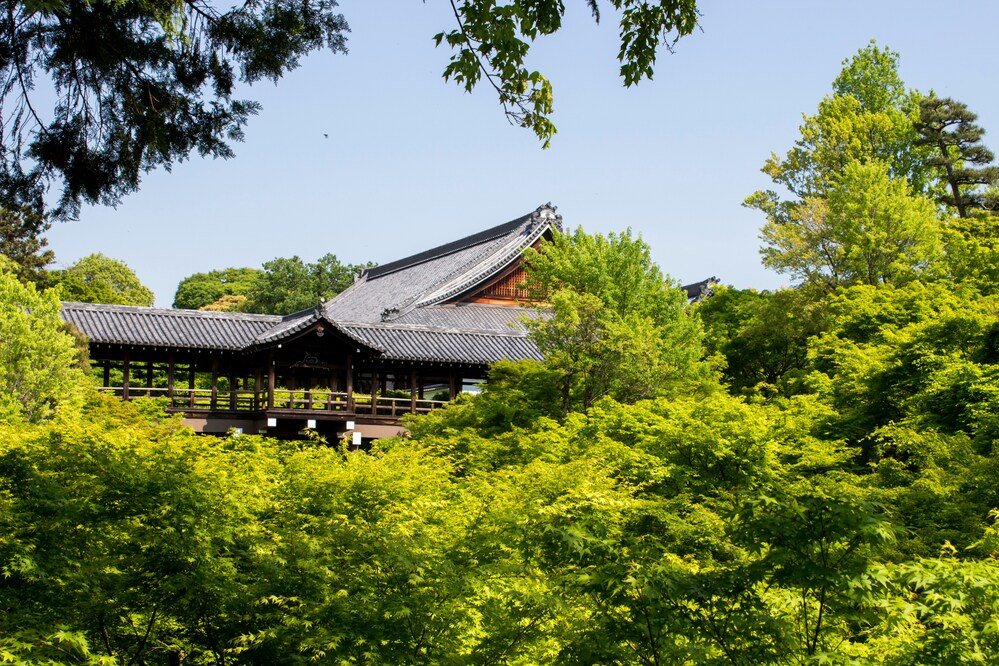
[[966, 165]]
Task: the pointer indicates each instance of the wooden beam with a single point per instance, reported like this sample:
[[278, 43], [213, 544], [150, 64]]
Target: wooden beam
[[171, 369], [258, 380], [126, 367], [232, 389], [270, 379], [412, 389], [215, 382], [350, 382], [190, 384]]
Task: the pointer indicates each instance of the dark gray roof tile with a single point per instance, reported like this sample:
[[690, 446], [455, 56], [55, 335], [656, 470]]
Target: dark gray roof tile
[[156, 327]]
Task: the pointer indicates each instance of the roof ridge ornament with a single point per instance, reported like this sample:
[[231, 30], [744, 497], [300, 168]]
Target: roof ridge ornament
[[546, 213]]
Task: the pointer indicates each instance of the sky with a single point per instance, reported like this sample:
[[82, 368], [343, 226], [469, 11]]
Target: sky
[[373, 156]]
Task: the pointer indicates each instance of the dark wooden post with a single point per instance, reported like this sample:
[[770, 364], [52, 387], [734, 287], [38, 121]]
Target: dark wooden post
[[350, 382], [107, 374], [215, 382], [126, 367], [232, 389], [171, 369], [374, 391], [412, 389], [258, 379], [190, 384], [149, 379], [453, 388], [270, 379]]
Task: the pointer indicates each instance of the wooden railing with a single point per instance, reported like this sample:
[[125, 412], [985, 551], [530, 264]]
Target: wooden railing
[[308, 400], [327, 401]]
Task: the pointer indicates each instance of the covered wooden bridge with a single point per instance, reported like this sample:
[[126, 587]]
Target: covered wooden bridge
[[406, 337]]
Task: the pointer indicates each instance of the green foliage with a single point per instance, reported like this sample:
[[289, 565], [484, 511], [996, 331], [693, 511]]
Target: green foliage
[[492, 42], [618, 327], [158, 85], [99, 279], [949, 130], [869, 116], [762, 336], [21, 241], [859, 179], [972, 251], [188, 58], [939, 611], [868, 229], [39, 373], [290, 285], [203, 289]]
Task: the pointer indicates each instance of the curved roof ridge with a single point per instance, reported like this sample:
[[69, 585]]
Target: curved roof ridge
[[463, 278], [452, 286], [170, 312], [511, 331], [448, 248]]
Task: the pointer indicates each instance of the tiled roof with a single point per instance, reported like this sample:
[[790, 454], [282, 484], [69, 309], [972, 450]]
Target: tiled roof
[[700, 290], [155, 327], [434, 276], [469, 316], [400, 311], [445, 345]]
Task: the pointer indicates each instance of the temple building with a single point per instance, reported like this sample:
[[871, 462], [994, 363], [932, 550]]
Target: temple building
[[406, 337]]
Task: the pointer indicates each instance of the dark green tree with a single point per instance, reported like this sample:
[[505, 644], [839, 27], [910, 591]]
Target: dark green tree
[[22, 242], [140, 84], [965, 165], [762, 336], [290, 284]]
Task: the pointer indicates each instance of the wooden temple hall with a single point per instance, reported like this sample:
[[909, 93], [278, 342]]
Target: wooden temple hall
[[406, 337]]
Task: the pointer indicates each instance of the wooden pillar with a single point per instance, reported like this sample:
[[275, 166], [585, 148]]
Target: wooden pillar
[[107, 373], [454, 387], [350, 382], [374, 391], [270, 380], [171, 369], [126, 367], [190, 384], [215, 382], [149, 378], [412, 389], [232, 389], [258, 379]]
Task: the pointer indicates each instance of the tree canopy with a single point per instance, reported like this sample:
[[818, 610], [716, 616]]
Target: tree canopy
[[827, 497], [39, 370], [100, 279], [282, 286], [619, 327], [144, 84], [22, 242]]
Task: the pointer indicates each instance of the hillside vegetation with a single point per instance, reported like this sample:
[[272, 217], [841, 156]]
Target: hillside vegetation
[[808, 476]]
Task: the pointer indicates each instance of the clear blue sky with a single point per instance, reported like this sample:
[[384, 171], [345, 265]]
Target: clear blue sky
[[412, 162]]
